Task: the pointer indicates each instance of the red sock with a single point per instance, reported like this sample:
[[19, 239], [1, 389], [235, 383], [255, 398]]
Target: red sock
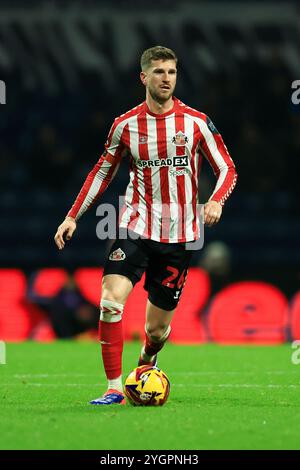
[[152, 348], [112, 347]]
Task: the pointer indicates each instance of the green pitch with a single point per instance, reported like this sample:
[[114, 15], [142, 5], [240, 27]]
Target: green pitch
[[221, 398]]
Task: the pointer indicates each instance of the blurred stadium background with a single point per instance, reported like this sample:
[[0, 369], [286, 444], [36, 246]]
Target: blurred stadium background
[[70, 68]]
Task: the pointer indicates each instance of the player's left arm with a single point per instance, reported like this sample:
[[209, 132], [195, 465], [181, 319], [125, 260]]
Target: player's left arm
[[216, 152]]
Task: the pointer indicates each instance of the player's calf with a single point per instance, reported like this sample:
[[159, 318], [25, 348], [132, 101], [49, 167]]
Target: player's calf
[[154, 342], [111, 340]]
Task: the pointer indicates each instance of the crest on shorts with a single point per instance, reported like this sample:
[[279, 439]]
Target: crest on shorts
[[117, 255], [180, 139]]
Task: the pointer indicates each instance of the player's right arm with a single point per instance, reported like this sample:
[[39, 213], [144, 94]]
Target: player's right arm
[[95, 184], [66, 229]]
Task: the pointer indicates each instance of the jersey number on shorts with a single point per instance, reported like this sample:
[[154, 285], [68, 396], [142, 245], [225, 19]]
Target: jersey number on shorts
[[168, 281]]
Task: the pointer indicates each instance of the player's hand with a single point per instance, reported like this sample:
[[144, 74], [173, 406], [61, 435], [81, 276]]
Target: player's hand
[[212, 213], [66, 229]]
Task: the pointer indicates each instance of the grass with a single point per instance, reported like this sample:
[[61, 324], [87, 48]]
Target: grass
[[229, 397]]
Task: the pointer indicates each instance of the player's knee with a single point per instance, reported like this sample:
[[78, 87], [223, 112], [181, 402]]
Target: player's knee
[[110, 311], [116, 288], [112, 294], [159, 332]]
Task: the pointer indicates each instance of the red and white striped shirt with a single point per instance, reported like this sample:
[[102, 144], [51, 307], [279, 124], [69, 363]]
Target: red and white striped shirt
[[165, 158]]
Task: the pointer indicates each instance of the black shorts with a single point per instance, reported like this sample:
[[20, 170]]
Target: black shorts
[[165, 264]]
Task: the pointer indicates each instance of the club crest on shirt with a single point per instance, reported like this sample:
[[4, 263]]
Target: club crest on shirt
[[117, 255], [180, 138]]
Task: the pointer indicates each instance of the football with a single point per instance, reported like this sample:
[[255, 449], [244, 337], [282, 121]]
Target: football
[[147, 386]]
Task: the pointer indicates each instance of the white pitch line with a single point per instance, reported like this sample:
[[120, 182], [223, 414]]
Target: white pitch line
[[240, 385], [199, 373], [45, 376], [34, 384]]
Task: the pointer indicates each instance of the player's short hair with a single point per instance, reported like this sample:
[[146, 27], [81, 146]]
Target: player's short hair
[[156, 53]]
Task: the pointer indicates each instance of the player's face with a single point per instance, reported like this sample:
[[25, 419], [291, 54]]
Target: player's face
[[160, 79]]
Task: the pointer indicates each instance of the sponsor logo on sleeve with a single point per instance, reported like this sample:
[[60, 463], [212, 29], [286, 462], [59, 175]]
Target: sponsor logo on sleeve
[[211, 126]]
